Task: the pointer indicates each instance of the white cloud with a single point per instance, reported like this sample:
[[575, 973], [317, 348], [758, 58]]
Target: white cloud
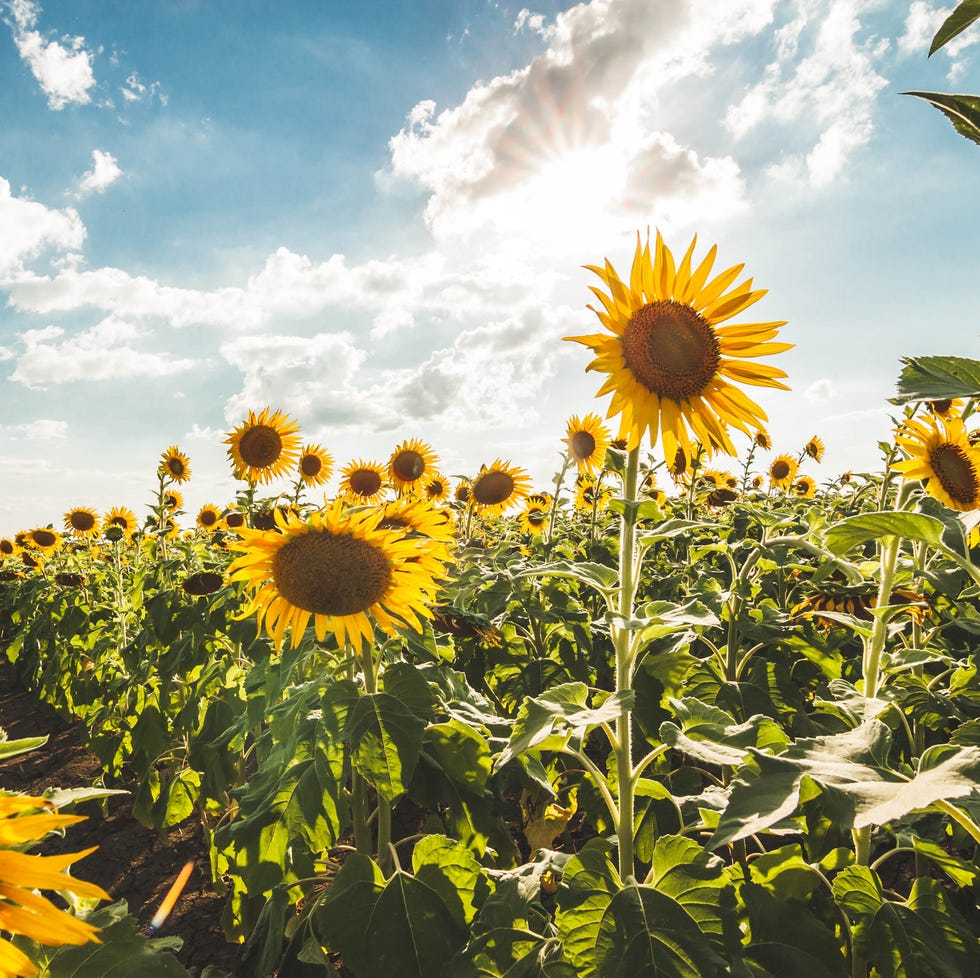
[[197, 433], [831, 89], [105, 171], [561, 140], [921, 24], [820, 391], [62, 69], [6, 354], [27, 228], [106, 351], [136, 91], [44, 429]]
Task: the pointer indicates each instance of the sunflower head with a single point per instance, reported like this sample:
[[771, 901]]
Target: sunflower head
[[264, 446], [7, 547], [174, 465], [591, 495], [948, 408], [233, 520], [411, 462], [362, 482], [208, 517], [413, 515], [341, 571], [672, 367], [758, 481], [762, 440], [173, 500], [315, 465], [782, 471], [82, 522], [533, 519], [122, 518], [805, 487], [587, 441], [939, 451], [436, 488], [814, 448], [45, 539], [498, 486]]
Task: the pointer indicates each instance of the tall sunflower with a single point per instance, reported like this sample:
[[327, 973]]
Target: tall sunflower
[[340, 570], [362, 482], [940, 452], [175, 464], [587, 441], [670, 363], [122, 517], [498, 486], [23, 910], [814, 448], [315, 465], [411, 462], [264, 446], [782, 471], [45, 539], [82, 522], [173, 500], [762, 440]]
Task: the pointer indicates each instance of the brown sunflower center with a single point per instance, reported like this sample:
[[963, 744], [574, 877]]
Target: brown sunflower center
[[235, 519], [260, 446], [364, 482], [941, 407], [44, 538], [6, 547], [493, 488], [208, 517], [581, 445], [175, 466], [310, 465], [670, 349], [81, 521], [536, 517], [330, 575], [956, 473], [408, 465], [780, 469]]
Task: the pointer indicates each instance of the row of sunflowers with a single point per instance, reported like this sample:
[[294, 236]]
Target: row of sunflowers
[[490, 729]]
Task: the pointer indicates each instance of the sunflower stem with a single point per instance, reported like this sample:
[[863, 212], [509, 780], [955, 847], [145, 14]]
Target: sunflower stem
[[625, 783], [559, 482], [383, 811]]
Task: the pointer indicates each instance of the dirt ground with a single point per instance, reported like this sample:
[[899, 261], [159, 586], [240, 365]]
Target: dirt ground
[[132, 862]]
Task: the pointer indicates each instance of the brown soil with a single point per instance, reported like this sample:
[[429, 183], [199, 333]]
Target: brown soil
[[132, 863]]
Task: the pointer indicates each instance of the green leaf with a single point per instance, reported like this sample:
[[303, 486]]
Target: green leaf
[[453, 872], [178, 797], [604, 579], [855, 530], [507, 952], [461, 752], [11, 748], [963, 111], [961, 872], [123, 951], [957, 22], [408, 685], [937, 378], [385, 741]]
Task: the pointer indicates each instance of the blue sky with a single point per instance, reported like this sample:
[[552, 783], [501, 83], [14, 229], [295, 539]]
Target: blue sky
[[374, 216]]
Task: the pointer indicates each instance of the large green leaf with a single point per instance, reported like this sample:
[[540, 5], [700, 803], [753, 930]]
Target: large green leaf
[[957, 22], [855, 530], [461, 752], [508, 952], [453, 872], [123, 951], [385, 741], [920, 938], [963, 111], [937, 378]]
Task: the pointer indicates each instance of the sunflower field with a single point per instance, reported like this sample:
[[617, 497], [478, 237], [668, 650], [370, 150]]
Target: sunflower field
[[694, 709]]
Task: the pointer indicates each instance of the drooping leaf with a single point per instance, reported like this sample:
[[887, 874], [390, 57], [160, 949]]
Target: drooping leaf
[[933, 378], [855, 530], [385, 742], [958, 21], [453, 872]]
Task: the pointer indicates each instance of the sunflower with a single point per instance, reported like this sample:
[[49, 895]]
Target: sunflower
[[540, 499], [462, 491], [82, 522], [758, 481], [498, 486], [124, 518], [713, 477], [415, 515], [315, 465], [173, 500], [436, 488], [45, 539], [410, 462], [7, 547], [233, 520], [533, 519], [805, 487], [782, 471], [590, 495], [362, 482], [940, 452], [263, 446], [208, 517], [341, 570], [175, 465], [669, 361], [587, 441], [23, 910], [947, 408], [814, 448], [762, 440]]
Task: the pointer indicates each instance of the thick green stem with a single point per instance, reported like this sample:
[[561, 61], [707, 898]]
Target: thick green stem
[[559, 482], [384, 806], [627, 592]]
